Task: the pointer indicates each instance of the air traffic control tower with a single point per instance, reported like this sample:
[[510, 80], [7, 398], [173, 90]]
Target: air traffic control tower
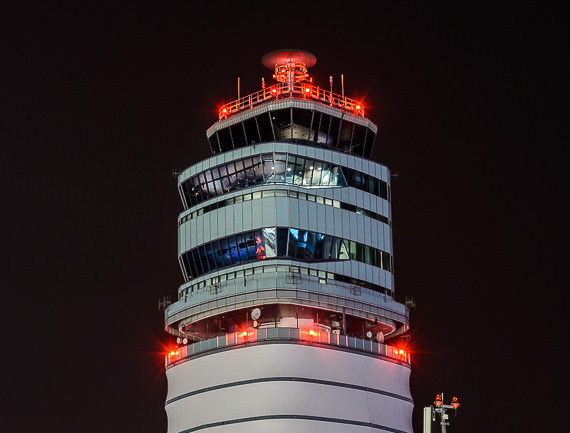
[[286, 315]]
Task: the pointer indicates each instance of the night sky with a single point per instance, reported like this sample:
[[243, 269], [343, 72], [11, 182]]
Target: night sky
[[99, 105]]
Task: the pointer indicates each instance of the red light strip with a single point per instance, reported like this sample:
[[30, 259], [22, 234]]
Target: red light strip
[[283, 90]]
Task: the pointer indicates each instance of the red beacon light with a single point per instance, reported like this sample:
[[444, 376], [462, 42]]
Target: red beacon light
[[311, 333], [244, 334], [455, 403], [438, 402], [358, 107]]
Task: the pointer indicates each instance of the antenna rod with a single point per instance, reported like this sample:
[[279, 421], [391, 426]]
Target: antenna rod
[[238, 88], [342, 84], [330, 79]]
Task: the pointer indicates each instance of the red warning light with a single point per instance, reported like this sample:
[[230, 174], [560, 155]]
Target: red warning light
[[438, 401], [172, 353], [401, 352], [358, 107], [455, 403], [307, 89], [311, 332], [244, 334]]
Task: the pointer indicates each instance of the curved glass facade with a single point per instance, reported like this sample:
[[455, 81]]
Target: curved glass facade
[[283, 242], [276, 168], [310, 126]]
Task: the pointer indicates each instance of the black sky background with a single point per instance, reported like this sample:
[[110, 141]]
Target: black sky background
[[99, 104]]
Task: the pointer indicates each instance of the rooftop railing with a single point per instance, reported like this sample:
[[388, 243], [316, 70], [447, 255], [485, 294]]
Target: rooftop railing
[[301, 335], [303, 90]]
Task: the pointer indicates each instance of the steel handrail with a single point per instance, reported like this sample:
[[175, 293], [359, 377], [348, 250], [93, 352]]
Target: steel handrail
[[284, 90]]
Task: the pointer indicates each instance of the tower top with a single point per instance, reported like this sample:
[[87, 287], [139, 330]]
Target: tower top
[[290, 65], [271, 59]]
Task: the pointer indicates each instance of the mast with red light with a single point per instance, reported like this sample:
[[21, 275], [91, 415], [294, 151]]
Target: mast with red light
[[441, 410]]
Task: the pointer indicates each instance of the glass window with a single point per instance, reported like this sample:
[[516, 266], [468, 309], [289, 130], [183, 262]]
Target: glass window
[[218, 254], [203, 258], [333, 131], [327, 244], [225, 252], [242, 247], [265, 127], [326, 174], [358, 136], [319, 246], [310, 245], [343, 253], [252, 135], [301, 123], [299, 170], [234, 255], [251, 245], [269, 242], [290, 170], [317, 173], [345, 137], [225, 139], [282, 123], [308, 173], [279, 167], [323, 132], [369, 143], [214, 144], [210, 256], [268, 168], [198, 264], [282, 235]]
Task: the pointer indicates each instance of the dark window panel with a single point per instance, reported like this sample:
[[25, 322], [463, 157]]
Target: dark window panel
[[225, 140], [198, 263], [214, 143], [251, 131], [238, 135], [265, 127], [370, 136], [282, 235], [333, 132], [323, 133], [358, 137], [345, 137], [225, 252], [234, 254], [301, 123]]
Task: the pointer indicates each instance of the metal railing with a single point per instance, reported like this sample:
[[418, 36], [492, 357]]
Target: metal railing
[[303, 90], [288, 334]]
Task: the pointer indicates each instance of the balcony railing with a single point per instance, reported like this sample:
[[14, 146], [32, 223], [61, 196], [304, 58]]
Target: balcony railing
[[303, 90], [301, 335]]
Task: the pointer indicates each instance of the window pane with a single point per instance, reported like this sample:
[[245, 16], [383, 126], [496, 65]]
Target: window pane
[[225, 140], [225, 252], [311, 241], [279, 167], [268, 168], [290, 170], [203, 258], [301, 123], [333, 131], [217, 254], [308, 174], [282, 235], [251, 131], [210, 256], [317, 173], [214, 143], [324, 125], [251, 245], [198, 263], [270, 241], [343, 253], [234, 255], [345, 137], [242, 248], [299, 170], [282, 123], [325, 248], [265, 127]]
